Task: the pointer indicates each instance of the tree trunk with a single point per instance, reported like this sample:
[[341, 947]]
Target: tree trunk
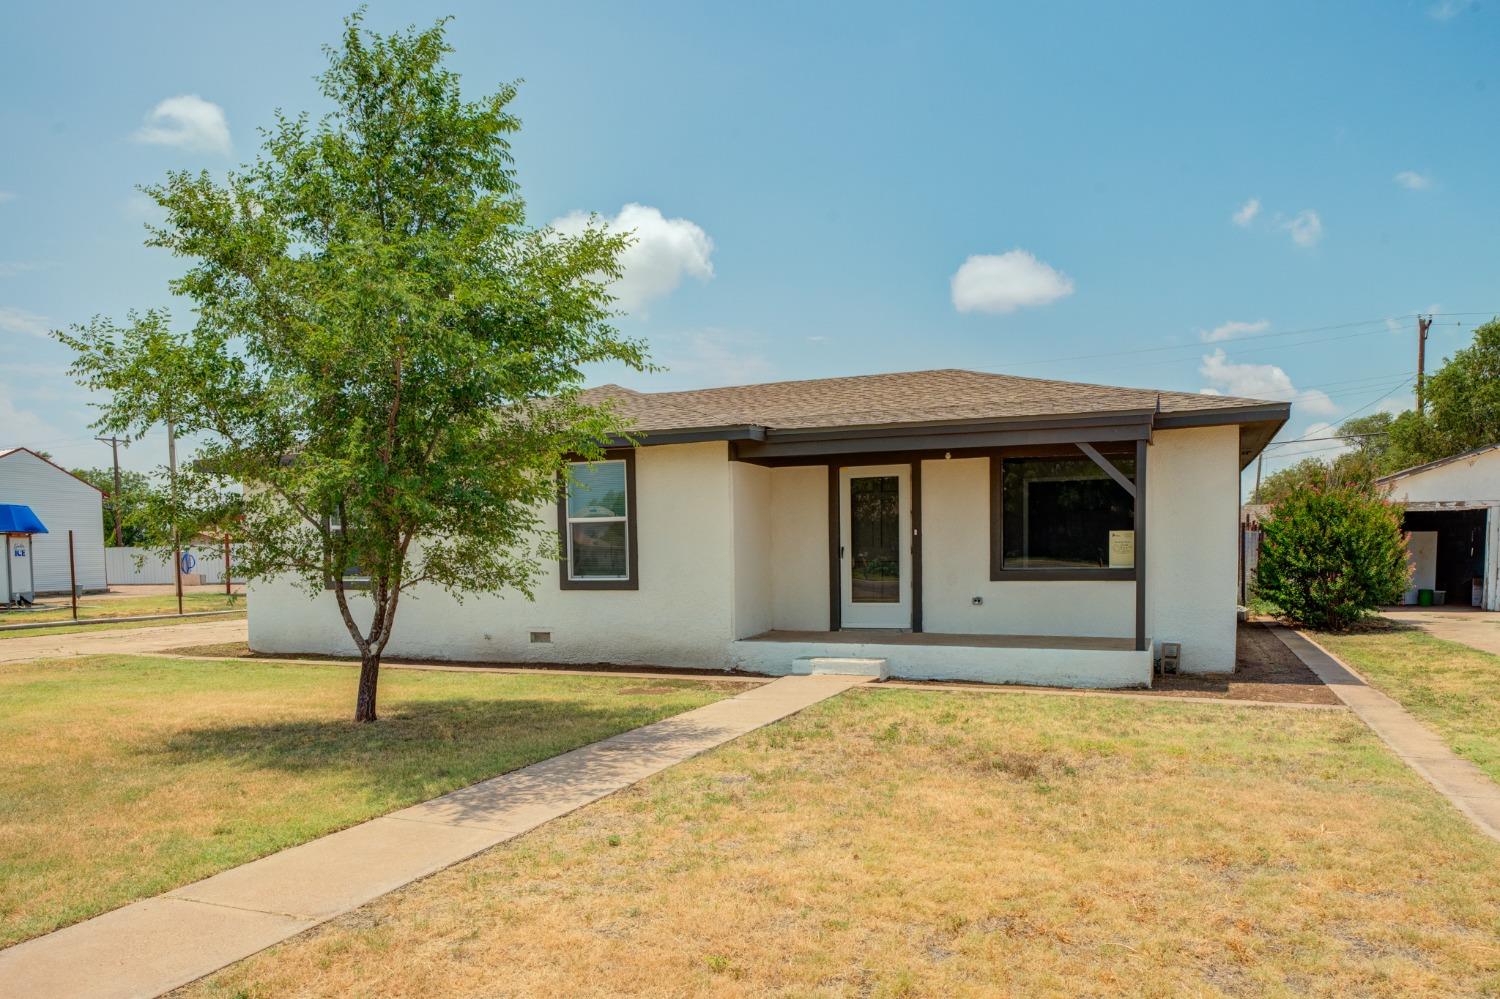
[[369, 675]]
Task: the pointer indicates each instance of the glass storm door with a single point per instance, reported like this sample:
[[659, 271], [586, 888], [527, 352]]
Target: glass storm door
[[875, 540]]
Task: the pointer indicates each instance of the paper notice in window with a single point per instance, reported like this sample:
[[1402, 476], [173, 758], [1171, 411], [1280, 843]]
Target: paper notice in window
[[1122, 549]]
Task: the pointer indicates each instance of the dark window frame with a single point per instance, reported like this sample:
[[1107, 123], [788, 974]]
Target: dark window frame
[[998, 571], [632, 549], [351, 582]]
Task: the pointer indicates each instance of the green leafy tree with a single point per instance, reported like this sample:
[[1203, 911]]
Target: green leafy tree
[[386, 357], [1310, 472], [1463, 403], [132, 502], [1331, 555]]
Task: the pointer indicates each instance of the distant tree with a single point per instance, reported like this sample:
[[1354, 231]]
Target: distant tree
[[1463, 403], [1330, 555], [1309, 472], [132, 502], [385, 354]]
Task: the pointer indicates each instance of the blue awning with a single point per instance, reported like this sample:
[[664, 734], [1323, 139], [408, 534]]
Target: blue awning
[[18, 519]]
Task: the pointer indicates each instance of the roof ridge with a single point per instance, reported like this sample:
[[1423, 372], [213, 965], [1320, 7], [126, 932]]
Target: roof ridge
[[668, 394]]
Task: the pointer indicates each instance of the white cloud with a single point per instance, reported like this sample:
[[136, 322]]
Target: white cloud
[[1260, 381], [7, 196], [1006, 282], [1246, 213], [10, 268], [1306, 228], [663, 252], [187, 121], [1230, 330], [1447, 10], [14, 320], [1413, 181]]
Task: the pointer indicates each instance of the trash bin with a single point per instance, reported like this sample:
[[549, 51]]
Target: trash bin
[[1439, 597], [1424, 598]]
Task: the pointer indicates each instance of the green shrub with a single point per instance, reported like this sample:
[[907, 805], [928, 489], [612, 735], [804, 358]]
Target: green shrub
[[1330, 556]]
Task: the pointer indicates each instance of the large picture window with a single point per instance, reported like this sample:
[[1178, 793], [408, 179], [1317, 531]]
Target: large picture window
[[1062, 516], [597, 524]]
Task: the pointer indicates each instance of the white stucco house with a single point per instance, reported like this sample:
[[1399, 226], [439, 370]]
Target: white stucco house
[[955, 524], [1452, 522], [63, 502]]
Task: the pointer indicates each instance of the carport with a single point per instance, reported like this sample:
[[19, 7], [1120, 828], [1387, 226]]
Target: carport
[[1448, 551], [1453, 522]]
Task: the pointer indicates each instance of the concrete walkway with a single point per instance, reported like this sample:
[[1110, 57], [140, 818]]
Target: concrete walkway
[[1458, 780], [128, 640], [1475, 628], [151, 947]]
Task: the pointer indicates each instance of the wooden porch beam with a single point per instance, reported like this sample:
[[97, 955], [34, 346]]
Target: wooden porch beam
[[1107, 466]]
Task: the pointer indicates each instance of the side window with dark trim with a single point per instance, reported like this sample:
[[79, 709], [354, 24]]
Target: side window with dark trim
[[596, 519]]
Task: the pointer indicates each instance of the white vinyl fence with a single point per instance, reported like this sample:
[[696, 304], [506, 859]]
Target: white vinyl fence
[[124, 566]]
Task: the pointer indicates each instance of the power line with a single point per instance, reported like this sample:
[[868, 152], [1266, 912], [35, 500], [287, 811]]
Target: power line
[[1198, 345], [1349, 416], [1335, 437], [1383, 323]]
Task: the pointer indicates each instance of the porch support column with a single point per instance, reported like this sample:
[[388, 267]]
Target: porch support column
[[916, 545], [835, 567], [1140, 546]]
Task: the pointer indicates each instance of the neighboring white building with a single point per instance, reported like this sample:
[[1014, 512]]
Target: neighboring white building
[[63, 502], [954, 523], [1453, 523]]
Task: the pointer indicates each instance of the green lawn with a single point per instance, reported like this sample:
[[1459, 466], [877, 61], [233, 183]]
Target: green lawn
[[893, 843], [1450, 686], [122, 777], [99, 606]]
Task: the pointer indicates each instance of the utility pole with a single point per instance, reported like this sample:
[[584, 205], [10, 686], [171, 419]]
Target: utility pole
[[114, 446], [1424, 323], [1258, 459], [176, 540]]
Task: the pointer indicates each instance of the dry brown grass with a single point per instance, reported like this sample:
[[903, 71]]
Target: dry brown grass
[[122, 776], [900, 843]]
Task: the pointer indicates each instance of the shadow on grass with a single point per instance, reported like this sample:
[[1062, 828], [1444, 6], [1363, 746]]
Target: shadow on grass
[[457, 730]]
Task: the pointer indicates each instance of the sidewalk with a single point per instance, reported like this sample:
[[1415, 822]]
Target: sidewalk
[[151, 947], [134, 641], [1458, 780]]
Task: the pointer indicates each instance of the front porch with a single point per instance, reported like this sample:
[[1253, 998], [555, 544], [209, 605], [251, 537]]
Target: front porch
[[1046, 660]]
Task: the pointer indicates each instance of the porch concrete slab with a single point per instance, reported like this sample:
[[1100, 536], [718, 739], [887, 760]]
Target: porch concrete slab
[[143, 949], [1467, 787], [154, 946]]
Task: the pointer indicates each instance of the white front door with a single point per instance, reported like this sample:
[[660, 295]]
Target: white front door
[[875, 546]]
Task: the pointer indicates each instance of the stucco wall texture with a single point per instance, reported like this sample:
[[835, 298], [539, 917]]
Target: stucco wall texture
[[729, 550]]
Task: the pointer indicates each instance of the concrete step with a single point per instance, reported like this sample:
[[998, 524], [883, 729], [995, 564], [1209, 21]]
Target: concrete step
[[841, 666]]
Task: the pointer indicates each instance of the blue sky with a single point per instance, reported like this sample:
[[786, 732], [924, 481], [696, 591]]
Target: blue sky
[[1079, 191]]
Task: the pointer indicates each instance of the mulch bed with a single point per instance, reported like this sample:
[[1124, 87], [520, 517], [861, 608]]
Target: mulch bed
[[1266, 671]]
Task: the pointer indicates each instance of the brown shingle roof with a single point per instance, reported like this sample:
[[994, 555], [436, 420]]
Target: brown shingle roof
[[948, 394]]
